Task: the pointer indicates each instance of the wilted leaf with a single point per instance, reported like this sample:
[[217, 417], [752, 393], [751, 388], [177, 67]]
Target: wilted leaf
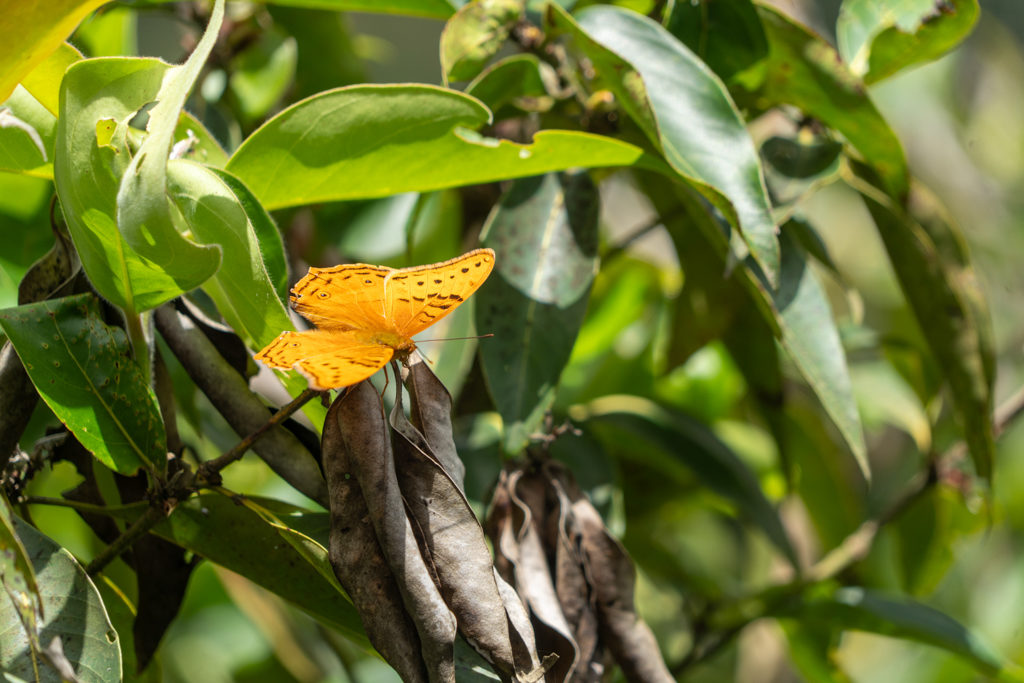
[[475, 34]]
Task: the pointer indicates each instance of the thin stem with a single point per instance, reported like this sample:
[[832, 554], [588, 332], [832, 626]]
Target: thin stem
[[208, 470], [89, 508], [149, 519]]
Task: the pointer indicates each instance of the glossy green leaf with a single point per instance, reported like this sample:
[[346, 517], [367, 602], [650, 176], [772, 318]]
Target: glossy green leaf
[[668, 441], [375, 141], [26, 136], [144, 216], [865, 610], [798, 312], [803, 70], [475, 34], [18, 578], [246, 294], [726, 34], [522, 81], [82, 368], [686, 111], [43, 82], [544, 234], [878, 38], [437, 9], [203, 523], [73, 611], [934, 271], [99, 98]]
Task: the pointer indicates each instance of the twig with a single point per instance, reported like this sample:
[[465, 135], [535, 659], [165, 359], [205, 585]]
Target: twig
[[209, 471], [90, 508], [149, 519]]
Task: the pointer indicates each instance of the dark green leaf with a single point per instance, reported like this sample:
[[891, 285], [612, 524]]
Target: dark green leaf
[[669, 440], [83, 369], [878, 39], [474, 35], [73, 612], [805, 71], [726, 34], [934, 271], [18, 579], [438, 9], [798, 159], [864, 610], [375, 141], [520, 80], [685, 110], [544, 234]]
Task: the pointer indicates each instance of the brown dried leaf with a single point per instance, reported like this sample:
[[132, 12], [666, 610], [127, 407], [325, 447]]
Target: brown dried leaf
[[367, 442], [359, 562], [612, 578], [430, 411]]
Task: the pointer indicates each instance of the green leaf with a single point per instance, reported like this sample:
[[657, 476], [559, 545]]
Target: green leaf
[[98, 99], [809, 334], [436, 9], [877, 38], [379, 140], [726, 34], [668, 441], [930, 259], [262, 73], [864, 610], [18, 578], [475, 34], [43, 82], [143, 213], [83, 370], [26, 136], [544, 234], [686, 111], [203, 523], [522, 81], [73, 611], [803, 70], [221, 211]]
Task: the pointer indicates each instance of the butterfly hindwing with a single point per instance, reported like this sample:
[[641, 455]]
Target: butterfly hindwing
[[416, 298], [343, 297], [329, 360]]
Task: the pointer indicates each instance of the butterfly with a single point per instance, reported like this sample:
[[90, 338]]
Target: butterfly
[[366, 315]]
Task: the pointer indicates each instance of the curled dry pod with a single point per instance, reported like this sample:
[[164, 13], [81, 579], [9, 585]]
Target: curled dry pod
[[452, 537], [359, 562], [367, 441], [522, 560], [612, 579]]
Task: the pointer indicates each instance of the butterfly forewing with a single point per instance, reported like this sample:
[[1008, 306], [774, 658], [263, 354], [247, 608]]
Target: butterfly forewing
[[343, 297], [329, 360], [416, 298]]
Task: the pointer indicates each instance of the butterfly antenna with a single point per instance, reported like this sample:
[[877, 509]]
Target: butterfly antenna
[[478, 336]]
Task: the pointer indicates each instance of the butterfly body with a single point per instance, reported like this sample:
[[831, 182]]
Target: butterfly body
[[366, 315]]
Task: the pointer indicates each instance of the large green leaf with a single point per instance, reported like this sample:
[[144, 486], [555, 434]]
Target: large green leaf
[[686, 111], [221, 211], [437, 9], [73, 611], [544, 234], [931, 262], [98, 99], [18, 579], [798, 311], [878, 38], [237, 538], [668, 441], [726, 34], [82, 368], [26, 136], [379, 140], [864, 610], [803, 70], [144, 215]]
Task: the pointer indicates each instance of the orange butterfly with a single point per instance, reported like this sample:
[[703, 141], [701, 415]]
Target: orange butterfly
[[365, 315]]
